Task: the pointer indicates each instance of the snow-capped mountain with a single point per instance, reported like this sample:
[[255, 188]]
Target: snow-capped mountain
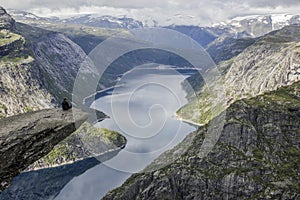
[[88, 20], [238, 27], [256, 25], [104, 21], [27, 16]]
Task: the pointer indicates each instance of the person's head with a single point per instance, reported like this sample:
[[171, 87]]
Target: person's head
[[65, 99]]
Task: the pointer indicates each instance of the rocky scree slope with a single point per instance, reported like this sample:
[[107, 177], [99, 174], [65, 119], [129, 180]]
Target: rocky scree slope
[[256, 156], [27, 137]]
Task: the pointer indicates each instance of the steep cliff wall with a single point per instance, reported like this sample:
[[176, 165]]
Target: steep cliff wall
[[271, 62], [22, 81], [38, 67]]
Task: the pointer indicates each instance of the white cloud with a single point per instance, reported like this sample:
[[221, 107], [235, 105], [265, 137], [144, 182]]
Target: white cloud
[[201, 12]]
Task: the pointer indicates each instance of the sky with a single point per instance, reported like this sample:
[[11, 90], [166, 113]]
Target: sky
[[165, 12]]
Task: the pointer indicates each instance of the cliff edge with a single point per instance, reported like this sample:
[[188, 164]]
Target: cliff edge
[[27, 137]]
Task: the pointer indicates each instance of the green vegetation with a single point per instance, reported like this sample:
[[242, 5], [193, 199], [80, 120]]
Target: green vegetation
[[28, 109], [3, 109], [201, 109], [7, 37], [113, 136], [58, 152], [86, 37], [285, 98], [74, 147], [92, 133], [15, 59]]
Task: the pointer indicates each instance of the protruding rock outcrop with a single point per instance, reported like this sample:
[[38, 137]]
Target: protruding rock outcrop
[[27, 137], [6, 21]]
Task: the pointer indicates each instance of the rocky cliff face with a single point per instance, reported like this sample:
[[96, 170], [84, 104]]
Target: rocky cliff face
[[257, 156], [269, 63], [225, 48], [6, 22], [27, 137], [60, 58], [23, 84], [22, 87], [38, 67]]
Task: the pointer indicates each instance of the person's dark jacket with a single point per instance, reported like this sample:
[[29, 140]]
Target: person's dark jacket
[[65, 105]]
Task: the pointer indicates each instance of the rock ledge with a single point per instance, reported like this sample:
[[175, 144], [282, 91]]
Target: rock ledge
[[27, 137]]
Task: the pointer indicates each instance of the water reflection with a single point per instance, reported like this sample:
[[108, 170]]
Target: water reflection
[[142, 108]]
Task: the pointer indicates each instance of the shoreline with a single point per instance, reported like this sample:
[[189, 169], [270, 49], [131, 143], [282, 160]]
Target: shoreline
[[179, 118], [76, 160]]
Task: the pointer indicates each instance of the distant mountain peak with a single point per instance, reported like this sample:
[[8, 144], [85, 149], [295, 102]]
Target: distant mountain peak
[[258, 25], [28, 16], [104, 21]]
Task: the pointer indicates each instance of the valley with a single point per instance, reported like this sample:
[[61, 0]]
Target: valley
[[159, 128]]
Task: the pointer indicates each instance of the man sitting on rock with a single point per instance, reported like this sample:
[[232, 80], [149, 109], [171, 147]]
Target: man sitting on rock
[[65, 104]]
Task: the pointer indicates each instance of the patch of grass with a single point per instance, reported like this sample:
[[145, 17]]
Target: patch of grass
[[58, 151], [8, 37], [10, 59], [71, 148], [284, 98], [28, 109], [92, 133]]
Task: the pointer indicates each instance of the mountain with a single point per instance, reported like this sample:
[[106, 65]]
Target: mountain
[[23, 84], [269, 63], [256, 25], [93, 20], [222, 41], [24, 16], [258, 151], [104, 21], [100, 141], [38, 67], [199, 34], [256, 156], [224, 48]]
